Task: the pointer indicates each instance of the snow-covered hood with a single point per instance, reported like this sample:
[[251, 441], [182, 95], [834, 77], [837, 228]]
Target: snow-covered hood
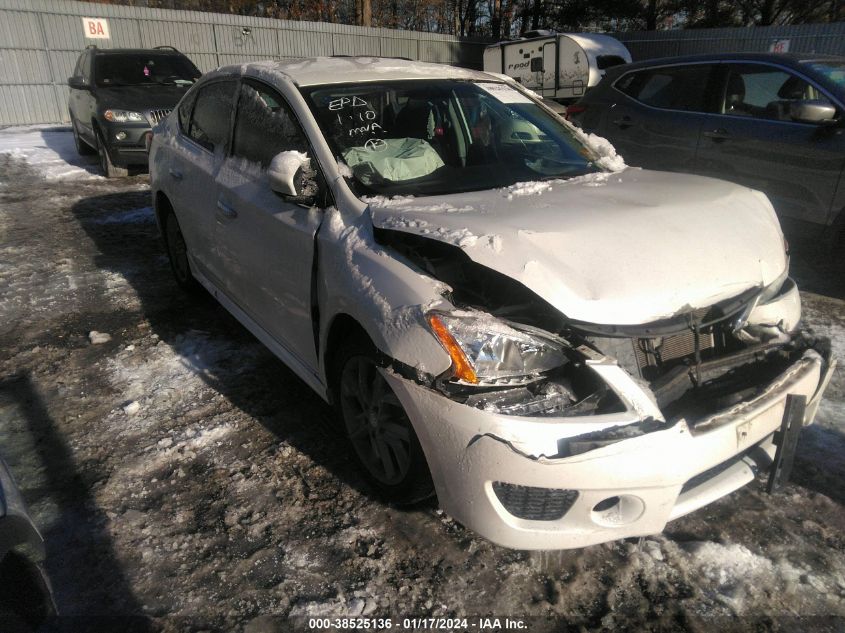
[[623, 248]]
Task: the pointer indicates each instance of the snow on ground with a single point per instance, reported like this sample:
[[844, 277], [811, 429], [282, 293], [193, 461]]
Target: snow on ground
[[48, 149], [181, 474]]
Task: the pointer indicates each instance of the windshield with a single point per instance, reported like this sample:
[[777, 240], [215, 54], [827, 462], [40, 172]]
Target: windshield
[[138, 69], [443, 136], [834, 71]]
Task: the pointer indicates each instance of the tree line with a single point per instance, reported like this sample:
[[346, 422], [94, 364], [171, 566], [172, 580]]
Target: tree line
[[503, 19]]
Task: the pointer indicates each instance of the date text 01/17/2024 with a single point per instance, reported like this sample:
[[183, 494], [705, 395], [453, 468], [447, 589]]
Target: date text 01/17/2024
[[416, 624]]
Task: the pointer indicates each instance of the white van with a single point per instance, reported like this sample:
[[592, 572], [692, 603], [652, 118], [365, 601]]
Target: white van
[[556, 65]]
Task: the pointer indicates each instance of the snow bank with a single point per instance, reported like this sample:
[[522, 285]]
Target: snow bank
[[49, 150]]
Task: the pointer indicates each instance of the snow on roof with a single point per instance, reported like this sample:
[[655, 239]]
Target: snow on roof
[[330, 70]]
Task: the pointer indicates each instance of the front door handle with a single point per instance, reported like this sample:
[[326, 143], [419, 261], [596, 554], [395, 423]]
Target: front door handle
[[623, 123], [225, 212], [176, 175], [718, 135]]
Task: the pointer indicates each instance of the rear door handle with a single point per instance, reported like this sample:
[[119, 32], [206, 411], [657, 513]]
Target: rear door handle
[[624, 122], [176, 175], [225, 212], [718, 135]]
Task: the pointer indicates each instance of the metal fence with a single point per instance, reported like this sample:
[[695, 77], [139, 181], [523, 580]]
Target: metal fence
[[805, 38], [40, 41]]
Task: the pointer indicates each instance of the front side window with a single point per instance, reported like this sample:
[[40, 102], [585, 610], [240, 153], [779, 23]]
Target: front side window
[[444, 136], [85, 68], [764, 92], [212, 114], [265, 125], [183, 111], [672, 87], [77, 70], [137, 69]]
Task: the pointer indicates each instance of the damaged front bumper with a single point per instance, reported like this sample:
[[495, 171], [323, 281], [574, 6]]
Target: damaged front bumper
[[505, 477]]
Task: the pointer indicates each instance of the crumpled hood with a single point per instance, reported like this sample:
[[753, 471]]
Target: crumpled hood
[[623, 248]]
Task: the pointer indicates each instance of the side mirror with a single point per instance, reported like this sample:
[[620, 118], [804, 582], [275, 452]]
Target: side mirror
[[290, 175], [812, 111], [77, 82]]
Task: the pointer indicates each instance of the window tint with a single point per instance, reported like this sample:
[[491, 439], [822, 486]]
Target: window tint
[[265, 126], [675, 88], [764, 92], [212, 113]]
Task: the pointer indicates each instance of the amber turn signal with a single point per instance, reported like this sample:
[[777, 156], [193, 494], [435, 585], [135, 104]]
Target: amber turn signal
[[462, 367]]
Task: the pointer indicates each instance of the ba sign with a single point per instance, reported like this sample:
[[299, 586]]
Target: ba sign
[[779, 46], [95, 28]]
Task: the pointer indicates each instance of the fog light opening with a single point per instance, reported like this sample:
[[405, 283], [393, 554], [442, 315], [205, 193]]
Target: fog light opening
[[120, 136], [617, 511], [606, 504]]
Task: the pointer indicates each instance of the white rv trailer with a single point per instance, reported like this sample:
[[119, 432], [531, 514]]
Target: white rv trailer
[[561, 66]]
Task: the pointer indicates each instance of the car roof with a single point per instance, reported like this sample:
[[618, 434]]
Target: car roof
[[792, 60], [314, 71], [136, 51]]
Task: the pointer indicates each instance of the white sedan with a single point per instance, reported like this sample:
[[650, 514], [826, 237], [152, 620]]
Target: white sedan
[[564, 350]]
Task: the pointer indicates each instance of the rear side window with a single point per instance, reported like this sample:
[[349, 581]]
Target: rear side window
[[671, 88], [265, 125], [209, 124]]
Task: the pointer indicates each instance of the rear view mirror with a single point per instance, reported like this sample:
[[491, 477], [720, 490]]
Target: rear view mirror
[[812, 111], [77, 82], [291, 176]]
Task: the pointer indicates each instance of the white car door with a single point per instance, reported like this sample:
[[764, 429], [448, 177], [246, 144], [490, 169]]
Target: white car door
[[196, 158], [266, 242]]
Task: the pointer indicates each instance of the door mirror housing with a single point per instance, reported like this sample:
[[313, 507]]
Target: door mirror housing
[[78, 82], [291, 176], [812, 111]]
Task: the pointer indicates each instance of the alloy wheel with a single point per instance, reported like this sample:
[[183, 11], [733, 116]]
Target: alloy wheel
[[375, 421]]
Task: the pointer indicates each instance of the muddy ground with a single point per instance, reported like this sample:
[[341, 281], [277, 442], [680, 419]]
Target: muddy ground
[[183, 478]]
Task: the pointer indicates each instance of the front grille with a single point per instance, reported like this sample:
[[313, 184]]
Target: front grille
[[156, 116], [534, 504]]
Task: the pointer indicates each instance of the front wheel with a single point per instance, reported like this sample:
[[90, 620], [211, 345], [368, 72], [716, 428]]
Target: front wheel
[[378, 428], [110, 170]]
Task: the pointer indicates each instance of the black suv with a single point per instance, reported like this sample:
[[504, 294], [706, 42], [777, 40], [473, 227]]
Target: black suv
[[118, 95]]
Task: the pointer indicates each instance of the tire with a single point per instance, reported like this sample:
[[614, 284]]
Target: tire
[[110, 170], [177, 253], [82, 148], [377, 427]]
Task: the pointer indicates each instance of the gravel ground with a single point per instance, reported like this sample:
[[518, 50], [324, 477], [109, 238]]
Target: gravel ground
[[184, 478]]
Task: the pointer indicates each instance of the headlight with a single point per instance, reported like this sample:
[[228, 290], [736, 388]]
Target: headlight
[[124, 116], [485, 350]]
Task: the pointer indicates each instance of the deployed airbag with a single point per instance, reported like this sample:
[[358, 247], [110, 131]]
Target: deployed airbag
[[394, 159]]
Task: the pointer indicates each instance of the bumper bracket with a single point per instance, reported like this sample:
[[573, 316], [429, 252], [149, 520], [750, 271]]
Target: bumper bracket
[[786, 440]]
